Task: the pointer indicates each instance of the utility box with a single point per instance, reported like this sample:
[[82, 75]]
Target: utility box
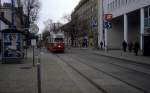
[[12, 45]]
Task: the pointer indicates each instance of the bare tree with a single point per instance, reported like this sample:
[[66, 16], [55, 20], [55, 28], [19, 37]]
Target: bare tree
[[48, 24], [66, 18], [31, 8], [52, 26]]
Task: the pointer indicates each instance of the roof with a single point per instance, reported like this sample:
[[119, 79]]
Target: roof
[[11, 31]]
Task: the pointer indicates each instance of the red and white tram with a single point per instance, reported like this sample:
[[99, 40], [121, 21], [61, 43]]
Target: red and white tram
[[55, 42]]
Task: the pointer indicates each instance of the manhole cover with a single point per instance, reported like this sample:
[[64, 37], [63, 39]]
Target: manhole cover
[[26, 67]]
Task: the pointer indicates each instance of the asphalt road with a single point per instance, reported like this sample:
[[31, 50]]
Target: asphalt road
[[106, 74]]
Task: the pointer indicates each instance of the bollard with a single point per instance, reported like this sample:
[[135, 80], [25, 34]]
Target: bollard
[[39, 77], [33, 57]]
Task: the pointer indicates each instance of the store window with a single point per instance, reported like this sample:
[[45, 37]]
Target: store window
[[146, 13], [147, 16]]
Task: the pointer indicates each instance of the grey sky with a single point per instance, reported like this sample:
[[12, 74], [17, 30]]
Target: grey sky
[[55, 9]]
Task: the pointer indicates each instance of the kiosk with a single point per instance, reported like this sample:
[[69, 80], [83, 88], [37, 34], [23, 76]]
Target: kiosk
[[12, 45]]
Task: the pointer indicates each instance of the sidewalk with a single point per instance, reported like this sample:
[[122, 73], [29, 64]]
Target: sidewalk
[[124, 55], [18, 77], [22, 77]]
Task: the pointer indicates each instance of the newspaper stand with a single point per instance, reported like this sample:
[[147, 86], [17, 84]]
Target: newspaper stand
[[12, 45]]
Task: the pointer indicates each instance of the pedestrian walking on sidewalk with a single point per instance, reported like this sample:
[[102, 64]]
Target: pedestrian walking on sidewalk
[[124, 45], [101, 45], [130, 46], [136, 48]]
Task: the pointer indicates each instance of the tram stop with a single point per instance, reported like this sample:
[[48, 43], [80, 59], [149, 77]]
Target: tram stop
[[12, 45]]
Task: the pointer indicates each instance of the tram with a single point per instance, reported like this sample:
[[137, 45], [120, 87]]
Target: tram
[[55, 42]]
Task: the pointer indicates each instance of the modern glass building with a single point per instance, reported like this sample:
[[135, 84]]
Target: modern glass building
[[131, 22]]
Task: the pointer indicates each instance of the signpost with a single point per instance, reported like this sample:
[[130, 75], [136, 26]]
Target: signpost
[[108, 17], [33, 43], [107, 26], [34, 28]]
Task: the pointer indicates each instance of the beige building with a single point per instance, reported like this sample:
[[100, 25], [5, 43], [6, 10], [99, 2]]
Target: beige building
[[85, 22]]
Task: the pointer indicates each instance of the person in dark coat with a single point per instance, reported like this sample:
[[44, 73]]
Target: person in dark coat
[[136, 47], [101, 44], [124, 45], [130, 46]]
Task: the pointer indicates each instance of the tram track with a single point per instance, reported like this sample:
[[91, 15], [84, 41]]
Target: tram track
[[128, 68], [113, 76], [126, 62], [99, 70], [84, 76]]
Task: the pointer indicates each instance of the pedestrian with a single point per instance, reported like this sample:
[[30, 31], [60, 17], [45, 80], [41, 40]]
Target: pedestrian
[[101, 44], [86, 43], [136, 48], [130, 46], [124, 45]]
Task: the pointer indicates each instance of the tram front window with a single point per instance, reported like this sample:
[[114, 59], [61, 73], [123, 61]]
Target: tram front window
[[58, 39]]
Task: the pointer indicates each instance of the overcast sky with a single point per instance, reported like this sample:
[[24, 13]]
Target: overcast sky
[[55, 9]]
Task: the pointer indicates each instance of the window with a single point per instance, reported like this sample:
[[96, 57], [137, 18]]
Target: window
[[146, 13], [92, 9], [113, 4], [126, 1], [2, 14], [58, 40], [118, 3], [149, 12], [122, 2]]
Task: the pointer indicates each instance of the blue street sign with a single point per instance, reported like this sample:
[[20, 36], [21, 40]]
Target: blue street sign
[[94, 23], [107, 24]]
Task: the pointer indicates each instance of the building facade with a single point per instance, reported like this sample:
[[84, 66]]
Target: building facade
[[10, 17], [130, 22], [85, 21]]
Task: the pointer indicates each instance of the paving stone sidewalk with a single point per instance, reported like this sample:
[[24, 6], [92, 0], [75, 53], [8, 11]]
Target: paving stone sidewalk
[[125, 56], [22, 77], [18, 77]]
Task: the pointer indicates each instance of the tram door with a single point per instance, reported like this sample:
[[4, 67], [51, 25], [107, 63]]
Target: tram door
[[146, 45]]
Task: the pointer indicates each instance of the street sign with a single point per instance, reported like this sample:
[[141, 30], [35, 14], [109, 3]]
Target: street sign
[[33, 42], [107, 24], [108, 17], [94, 23], [34, 28]]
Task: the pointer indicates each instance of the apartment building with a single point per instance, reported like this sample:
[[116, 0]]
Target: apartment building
[[85, 21]]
